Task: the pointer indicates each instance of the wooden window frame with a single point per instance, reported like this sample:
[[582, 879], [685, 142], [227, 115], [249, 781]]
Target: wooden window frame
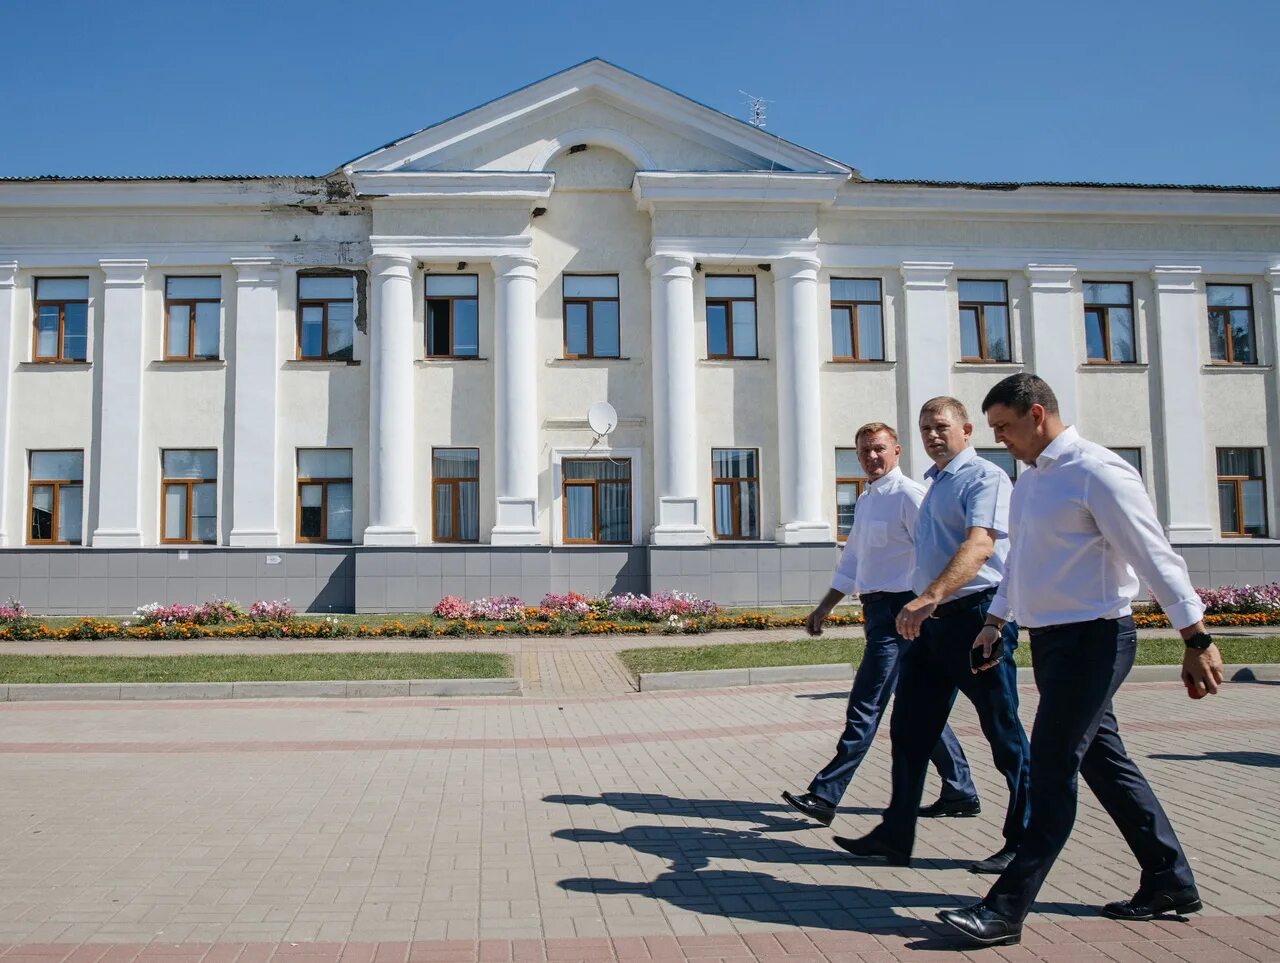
[[451, 298], [593, 484], [323, 304], [57, 484], [1225, 312], [859, 483], [980, 307], [190, 304], [61, 303], [455, 497], [1105, 313], [188, 484], [735, 498], [727, 304], [1236, 481], [324, 484], [591, 319], [853, 308]]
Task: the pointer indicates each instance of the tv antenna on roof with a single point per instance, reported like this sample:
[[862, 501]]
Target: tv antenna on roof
[[756, 105]]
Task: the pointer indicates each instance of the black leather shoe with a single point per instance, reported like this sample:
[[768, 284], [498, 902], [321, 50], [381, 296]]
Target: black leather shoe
[[995, 864], [1147, 906], [952, 807], [983, 925], [815, 807], [869, 847]]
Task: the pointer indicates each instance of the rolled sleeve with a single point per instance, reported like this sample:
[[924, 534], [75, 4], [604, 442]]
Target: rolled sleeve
[[846, 575], [1124, 515], [986, 502]]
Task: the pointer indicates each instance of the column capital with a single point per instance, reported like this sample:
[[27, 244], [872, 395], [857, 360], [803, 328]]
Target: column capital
[[8, 274], [1176, 278], [391, 263], [1051, 277], [798, 266], [926, 274], [670, 265], [1273, 277], [515, 265], [256, 270], [124, 272]]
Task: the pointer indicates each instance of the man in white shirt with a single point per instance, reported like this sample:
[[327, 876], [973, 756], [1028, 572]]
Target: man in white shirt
[[877, 563], [1081, 524]]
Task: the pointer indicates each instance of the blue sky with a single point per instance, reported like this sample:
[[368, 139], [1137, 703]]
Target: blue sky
[[1172, 91]]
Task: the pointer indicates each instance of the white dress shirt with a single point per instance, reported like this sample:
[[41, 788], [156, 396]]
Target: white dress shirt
[[879, 555], [1080, 523]]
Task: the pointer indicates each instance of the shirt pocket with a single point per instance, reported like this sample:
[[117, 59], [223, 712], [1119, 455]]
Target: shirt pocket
[[877, 534]]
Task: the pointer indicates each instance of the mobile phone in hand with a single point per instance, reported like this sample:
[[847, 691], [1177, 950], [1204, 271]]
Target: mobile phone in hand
[[977, 659]]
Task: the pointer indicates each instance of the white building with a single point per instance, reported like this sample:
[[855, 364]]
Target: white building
[[370, 388]]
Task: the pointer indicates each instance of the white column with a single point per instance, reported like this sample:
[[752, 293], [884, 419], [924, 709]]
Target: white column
[[391, 435], [1053, 354], [1180, 328], [257, 368], [800, 455], [924, 353], [515, 359], [120, 439], [675, 433], [8, 306]]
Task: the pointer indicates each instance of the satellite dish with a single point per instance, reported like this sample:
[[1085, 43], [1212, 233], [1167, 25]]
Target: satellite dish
[[602, 418]]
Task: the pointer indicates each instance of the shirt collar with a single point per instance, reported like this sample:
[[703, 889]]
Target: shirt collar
[[955, 464], [886, 479], [1058, 447]]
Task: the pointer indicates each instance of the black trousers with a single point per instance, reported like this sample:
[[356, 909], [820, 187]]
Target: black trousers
[[1078, 668]]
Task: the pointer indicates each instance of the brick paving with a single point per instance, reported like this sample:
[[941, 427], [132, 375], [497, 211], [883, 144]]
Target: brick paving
[[587, 825]]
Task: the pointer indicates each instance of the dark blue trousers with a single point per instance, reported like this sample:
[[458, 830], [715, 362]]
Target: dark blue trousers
[[1078, 668], [873, 685], [934, 670]]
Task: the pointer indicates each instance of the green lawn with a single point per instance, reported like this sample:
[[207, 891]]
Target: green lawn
[[752, 655], [311, 667]]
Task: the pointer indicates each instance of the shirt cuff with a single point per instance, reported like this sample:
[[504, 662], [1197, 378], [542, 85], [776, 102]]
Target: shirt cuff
[[1001, 609], [842, 583], [1184, 612]]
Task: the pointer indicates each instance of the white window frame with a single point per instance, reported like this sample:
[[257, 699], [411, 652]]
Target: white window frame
[[558, 455]]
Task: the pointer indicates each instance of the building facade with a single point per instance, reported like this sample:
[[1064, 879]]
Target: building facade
[[369, 389]]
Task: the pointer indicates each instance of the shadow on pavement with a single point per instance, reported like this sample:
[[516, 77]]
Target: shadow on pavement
[[1241, 757], [770, 817]]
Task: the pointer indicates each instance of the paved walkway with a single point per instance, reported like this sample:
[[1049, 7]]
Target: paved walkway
[[627, 827]]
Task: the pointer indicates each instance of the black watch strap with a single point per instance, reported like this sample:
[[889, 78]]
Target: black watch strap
[[1201, 640]]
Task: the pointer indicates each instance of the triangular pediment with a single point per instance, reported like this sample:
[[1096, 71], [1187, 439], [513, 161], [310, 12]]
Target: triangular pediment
[[597, 104]]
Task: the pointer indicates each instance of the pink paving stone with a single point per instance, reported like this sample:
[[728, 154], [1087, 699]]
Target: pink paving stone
[[527, 951], [223, 953], [359, 952], [309, 949], [88, 953], [630, 948], [257, 953], [442, 951], [121, 953], [391, 953], [718, 939], [494, 951], [663, 947], [794, 942], [764, 944], [59, 950], [176, 949]]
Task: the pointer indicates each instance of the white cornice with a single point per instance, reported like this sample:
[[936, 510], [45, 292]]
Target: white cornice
[[183, 194], [721, 249], [439, 185], [163, 255], [651, 188], [451, 248]]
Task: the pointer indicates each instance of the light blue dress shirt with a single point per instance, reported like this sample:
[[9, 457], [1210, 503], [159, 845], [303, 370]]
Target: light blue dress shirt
[[970, 492]]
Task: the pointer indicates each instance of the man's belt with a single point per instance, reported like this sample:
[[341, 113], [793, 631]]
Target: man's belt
[[963, 604]]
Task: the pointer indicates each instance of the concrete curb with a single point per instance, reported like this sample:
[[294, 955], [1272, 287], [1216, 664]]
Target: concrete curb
[[840, 671], [149, 691]]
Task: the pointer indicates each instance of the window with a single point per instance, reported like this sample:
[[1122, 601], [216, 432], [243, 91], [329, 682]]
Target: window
[[56, 498], [1231, 324], [455, 494], [857, 327], [324, 494], [731, 317], [1003, 458], [453, 316], [1242, 492], [189, 496], [62, 319], [851, 482], [597, 500], [192, 310], [1108, 322], [984, 321], [1132, 455], [735, 487], [591, 316], [326, 317]]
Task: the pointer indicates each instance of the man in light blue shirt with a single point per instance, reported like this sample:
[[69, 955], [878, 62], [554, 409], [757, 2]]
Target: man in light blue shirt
[[961, 540]]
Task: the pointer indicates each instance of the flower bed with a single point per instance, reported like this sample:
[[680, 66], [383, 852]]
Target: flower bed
[[1228, 605]]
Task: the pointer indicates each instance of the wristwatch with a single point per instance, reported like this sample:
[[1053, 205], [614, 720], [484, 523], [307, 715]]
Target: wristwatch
[[1201, 640]]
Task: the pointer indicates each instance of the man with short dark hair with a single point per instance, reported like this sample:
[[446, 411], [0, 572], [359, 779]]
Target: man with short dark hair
[[1081, 524], [961, 539], [877, 563]]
